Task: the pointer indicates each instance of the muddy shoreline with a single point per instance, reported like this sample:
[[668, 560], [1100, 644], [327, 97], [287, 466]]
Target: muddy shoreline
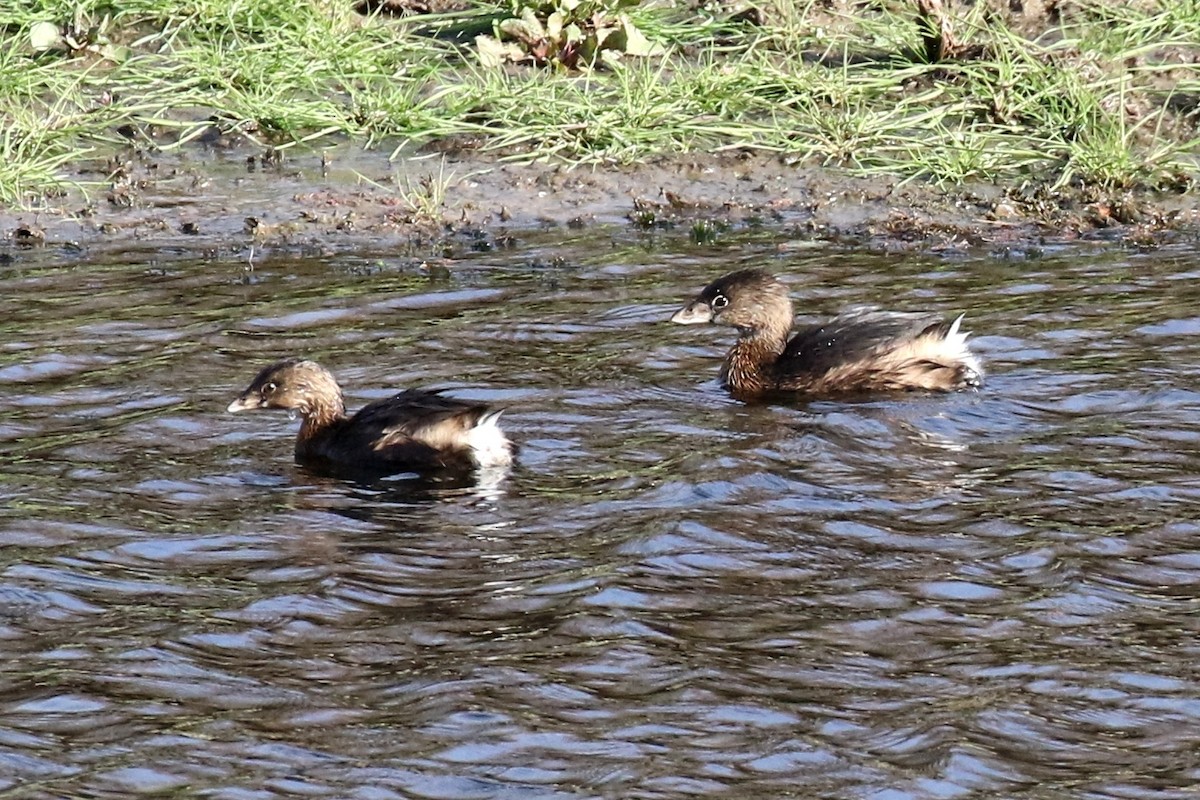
[[238, 203]]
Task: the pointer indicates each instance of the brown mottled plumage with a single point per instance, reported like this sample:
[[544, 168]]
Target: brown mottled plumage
[[412, 431], [863, 350]]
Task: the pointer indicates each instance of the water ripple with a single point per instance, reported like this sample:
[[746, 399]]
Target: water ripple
[[674, 594]]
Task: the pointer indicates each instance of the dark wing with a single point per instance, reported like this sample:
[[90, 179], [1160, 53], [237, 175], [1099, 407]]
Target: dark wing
[[416, 427], [850, 336]]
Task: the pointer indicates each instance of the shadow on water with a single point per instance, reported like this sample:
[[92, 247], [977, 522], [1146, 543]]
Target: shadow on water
[[673, 594]]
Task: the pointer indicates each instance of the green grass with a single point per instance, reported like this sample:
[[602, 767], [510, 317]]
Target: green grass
[[1107, 99]]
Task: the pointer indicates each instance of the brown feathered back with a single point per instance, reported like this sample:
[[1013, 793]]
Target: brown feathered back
[[864, 349]]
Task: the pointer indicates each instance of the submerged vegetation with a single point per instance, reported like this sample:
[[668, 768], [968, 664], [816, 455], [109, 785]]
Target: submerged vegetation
[[1104, 95]]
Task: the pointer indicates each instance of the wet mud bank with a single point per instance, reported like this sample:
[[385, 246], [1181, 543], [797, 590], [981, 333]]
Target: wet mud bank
[[235, 204]]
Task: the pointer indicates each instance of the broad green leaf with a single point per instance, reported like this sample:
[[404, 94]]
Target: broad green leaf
[[554, 25], [636, 43], [493, 53], [521, 29], [604, 33], [118, 54], [44, 36], [530, 18]]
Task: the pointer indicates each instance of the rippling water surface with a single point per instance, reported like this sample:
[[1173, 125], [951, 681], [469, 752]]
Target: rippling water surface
[[674, 595]]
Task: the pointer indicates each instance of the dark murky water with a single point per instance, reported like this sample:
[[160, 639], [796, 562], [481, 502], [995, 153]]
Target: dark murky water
[[675, 595]]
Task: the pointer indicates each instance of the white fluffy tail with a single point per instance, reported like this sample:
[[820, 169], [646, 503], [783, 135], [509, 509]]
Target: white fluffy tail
[[489, 446], [956, 341]]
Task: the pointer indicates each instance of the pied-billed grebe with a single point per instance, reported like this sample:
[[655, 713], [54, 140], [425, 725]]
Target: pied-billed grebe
[[863, 350], [415, 430]]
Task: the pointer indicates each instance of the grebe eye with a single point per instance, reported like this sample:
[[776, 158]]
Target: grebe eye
[[720, 301], [269, 388]]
